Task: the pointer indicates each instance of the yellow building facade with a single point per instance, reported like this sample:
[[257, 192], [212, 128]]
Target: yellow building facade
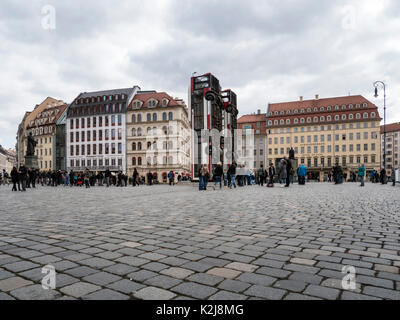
[[323, 132]]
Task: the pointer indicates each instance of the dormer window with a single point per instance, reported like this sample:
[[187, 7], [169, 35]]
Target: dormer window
[[322, 109], [296, 111], [343, 107], [302, 110], [336, 107], [308, 109], [350, 106], [276, 113], [164, 102], [329, 108], [152, 103], [288, 112], [315, 109], [282, 113], [365, 105], [357, 106]]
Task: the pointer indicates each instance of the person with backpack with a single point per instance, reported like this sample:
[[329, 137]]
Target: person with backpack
[[361, 174], [171, 178], [218, 172]]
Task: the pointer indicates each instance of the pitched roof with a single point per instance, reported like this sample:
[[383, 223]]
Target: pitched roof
[[253, 118], [145, 96], [392, 127], [126, 91], [346, 100]]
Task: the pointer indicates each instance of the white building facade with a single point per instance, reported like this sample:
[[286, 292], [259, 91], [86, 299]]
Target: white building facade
[[96, 130]]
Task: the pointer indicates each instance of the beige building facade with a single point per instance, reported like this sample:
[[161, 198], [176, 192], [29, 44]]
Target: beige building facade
[[323, 132], [32, 120], [392, 146], [158, 136]]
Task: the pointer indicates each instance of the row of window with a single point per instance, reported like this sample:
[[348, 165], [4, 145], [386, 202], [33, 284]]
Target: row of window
[[88, 122], [41, 153], [152, 161], [47, 165], [321, 138], [95, 149], [95, 162], [89, 135], [40, 141], [165, 131], [344, 161], [320, 109], [321, 149], [89, 110], [343, 126], [322, 119], [99, 99], [152, 117], [152, 103], [167, 145]]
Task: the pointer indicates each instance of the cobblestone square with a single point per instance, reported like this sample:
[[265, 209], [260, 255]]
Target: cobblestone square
[[163, 242]]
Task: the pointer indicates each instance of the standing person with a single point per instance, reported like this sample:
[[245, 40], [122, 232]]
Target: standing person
[[206, 176], [289, 171], [126, 180], [282, 171], [15, 179], [218, 172], [1, 177], [86, 178], [393, 177], [383, 176], [67, 179], [302, 172], [232, 175], [271, 174], [373, 176], [135, 178], [107, 176], [150, 178], [261, 176], [32, 177], [361, 174], [22, 176], [6, 177]]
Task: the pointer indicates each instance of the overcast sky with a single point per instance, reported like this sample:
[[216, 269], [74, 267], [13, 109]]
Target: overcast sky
[[264, 50]]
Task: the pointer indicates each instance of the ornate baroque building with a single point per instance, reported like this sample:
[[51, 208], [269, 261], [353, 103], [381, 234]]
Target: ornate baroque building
[[323, 132], [158, 136]]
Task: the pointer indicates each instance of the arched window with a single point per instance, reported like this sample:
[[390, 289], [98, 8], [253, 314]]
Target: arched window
[[315, 119], [329, 118], [282, 121], [170, 145], [308, 109], [269, 122], [133, 132], [164, 129], [164, 160], [296, 111], [343, 107], [134, 161], [337, 117], [322, 109], [287, 121], [302, 120], [154, 116], [322, 119], [139, 161], [139, 132], [134, 118], [149, 145], [336, 107], [365, 116], [372, 114], [344, 117], [170, 160], [148, 117], [315, 109], [358, 116], [154, 131], [350, 106], [329, 108], [139, 118], [164, 116], [296, 120], [275, 122], [148, 131], [170, 116], [365, 105], [133, 146], [351, 116], [139, 146], [308, 119]]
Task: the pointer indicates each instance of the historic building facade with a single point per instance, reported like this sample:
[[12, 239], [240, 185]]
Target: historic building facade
[[255, 124], [43, 128], [392, 146], [8, 159], [323, 132], [30, 116], [158, 136], [96, 130]]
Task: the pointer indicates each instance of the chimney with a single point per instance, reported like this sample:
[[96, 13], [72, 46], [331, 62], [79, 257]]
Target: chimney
[[301, 98], [258, 111], [316, 96]]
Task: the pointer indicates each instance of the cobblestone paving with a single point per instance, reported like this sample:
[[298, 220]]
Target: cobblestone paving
[[166, 242]]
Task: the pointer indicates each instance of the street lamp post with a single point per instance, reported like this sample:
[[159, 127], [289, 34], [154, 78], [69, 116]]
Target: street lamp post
[[376, 85]]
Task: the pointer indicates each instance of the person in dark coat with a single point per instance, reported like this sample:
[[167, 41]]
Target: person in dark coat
[[15, 179], [289, 171], [135, 178], [22, 176], [32, 177], [271, 174], [218, 172], [232, 175]]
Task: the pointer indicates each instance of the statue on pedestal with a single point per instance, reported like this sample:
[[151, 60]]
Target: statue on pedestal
[[30, 150], [291, 154]]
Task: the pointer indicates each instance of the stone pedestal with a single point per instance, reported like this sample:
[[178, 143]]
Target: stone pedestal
[[31, 162]]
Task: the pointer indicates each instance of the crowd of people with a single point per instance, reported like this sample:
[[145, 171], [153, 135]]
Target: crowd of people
[[235, 176], [23, 178], [238, 176]]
